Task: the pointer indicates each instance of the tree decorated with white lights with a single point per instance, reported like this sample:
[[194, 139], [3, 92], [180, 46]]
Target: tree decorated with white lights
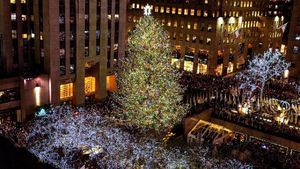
[[149, 94], [262, 69]]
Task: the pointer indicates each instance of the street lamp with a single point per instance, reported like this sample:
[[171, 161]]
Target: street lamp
[[37, 92]]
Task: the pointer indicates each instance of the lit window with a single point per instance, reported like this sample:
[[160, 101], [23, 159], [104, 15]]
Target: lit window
[[230, 67], [14, 34], [188, 66], [66, 91], [168, 10], [24, 17], [111, 84], [179, 11], [117, 16], [189, 25], [173, 10], [195, 26], [296, 49], [62, 52], [194, 39], [169, 23], [162, 9], [89, 85], [186, 11], [187, 37], [192, 12], [175, 62], [219, 70], [24, 36], [198, 12], [23, 1], [202, 69], [13, 16], [175, 24], [12, 1]]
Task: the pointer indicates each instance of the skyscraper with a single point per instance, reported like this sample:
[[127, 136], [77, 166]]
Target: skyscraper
[[58, 50], [216, 36]]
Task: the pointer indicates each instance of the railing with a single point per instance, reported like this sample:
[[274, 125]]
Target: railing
[[205, 130], [232, 99]]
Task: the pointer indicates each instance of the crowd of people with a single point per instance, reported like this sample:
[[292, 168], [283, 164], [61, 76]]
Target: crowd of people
[[13, 131], [72, 137], [209, 82], [288, 90], [204, 92]]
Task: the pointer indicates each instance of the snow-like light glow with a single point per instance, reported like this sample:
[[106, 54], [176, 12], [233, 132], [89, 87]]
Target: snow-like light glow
[[64, 136]]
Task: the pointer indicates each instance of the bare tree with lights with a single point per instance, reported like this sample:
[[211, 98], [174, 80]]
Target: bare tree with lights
[[149, 94], [261, 69]]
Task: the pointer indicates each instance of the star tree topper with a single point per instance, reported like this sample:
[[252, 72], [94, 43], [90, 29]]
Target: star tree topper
[[147, 10]]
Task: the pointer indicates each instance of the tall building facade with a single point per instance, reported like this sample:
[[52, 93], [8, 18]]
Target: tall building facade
[[216, 36], [293, 51], [58, 50]]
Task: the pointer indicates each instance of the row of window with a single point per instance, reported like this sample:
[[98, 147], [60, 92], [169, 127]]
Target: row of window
[[199, 13], [231, 39], [14, 1], [242, 4], [188, 25], [202, 68], [191, 38], [66, 90]]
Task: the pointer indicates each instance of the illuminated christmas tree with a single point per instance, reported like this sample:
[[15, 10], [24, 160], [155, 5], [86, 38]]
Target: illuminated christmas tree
[[149, 93]]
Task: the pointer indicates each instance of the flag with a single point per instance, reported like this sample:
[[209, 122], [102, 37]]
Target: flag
[[238, 33], [283, 27]]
